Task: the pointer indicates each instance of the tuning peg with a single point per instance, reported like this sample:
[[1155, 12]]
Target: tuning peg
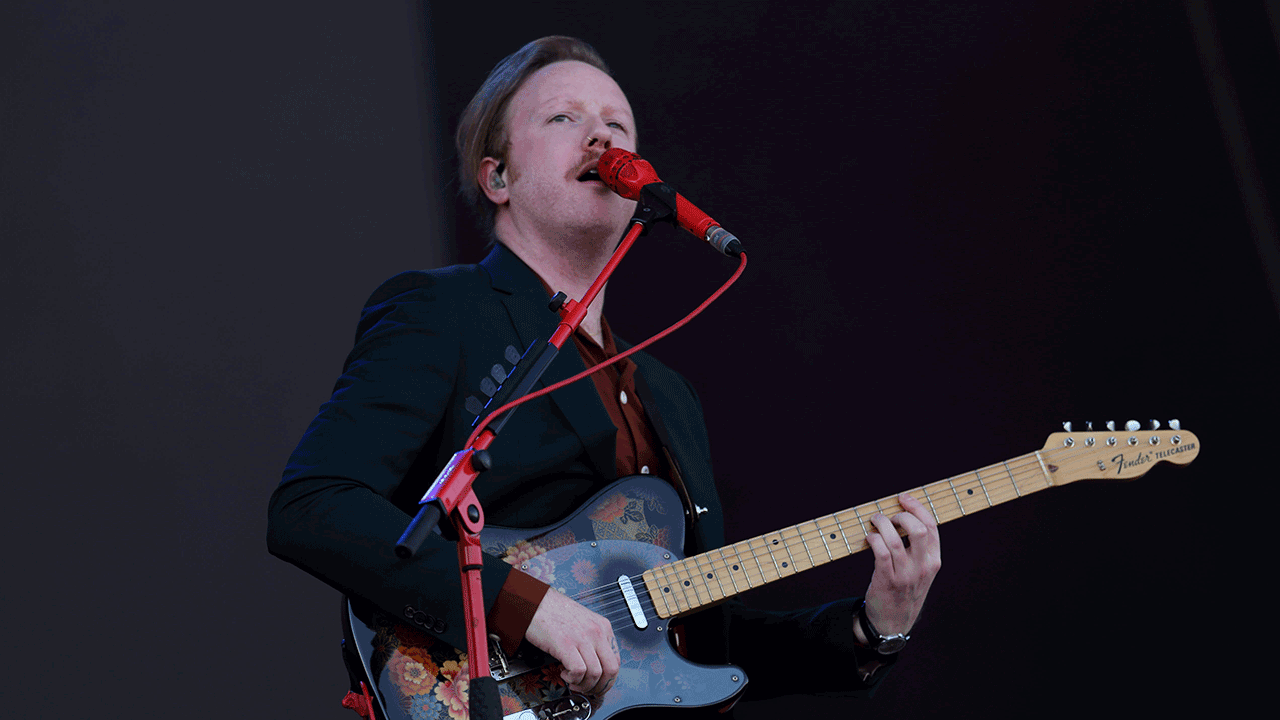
[[1089, 426], [1155, 424], [1175, 424], [1132, 425], [1111, 425], [1067, 426]]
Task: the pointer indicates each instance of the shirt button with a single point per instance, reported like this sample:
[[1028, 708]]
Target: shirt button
[[644, 470], [622, 396]]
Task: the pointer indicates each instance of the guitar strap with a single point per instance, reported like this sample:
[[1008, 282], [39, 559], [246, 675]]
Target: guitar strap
[[659, 427], [357, 697]]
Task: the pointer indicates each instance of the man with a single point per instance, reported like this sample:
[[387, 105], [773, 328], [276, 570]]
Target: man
[[527, 145]]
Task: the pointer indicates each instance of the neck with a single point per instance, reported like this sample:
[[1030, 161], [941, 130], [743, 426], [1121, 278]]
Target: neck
[[569, 267]]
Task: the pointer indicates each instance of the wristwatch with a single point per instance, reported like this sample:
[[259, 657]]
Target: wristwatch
[[883, 644]]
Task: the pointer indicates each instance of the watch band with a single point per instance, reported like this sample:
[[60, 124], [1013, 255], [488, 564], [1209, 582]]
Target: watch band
[[883, 644]]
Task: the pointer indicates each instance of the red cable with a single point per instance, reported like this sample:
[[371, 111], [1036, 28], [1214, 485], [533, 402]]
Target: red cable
[[742, 265]]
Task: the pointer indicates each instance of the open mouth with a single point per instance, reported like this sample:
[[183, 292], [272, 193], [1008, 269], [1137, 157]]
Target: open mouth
[[589, 175]]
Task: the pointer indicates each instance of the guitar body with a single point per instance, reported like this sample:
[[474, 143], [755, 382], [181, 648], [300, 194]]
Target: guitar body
[[633, 525]]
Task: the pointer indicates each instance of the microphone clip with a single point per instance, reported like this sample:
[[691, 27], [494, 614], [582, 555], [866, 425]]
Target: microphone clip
[[657, 202]]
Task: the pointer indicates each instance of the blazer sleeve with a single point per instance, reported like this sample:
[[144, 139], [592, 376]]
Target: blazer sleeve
[[334, 514], [802, 652]]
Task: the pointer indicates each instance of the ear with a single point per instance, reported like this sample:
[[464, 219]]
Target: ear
[[493, 184]]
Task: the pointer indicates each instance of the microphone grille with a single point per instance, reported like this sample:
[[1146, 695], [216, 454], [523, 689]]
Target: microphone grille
[[625, 172]]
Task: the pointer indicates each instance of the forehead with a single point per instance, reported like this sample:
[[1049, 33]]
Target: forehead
[[569, 83]]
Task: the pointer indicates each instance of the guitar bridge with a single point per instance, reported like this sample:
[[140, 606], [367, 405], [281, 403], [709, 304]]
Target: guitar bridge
[[527, 658], [570, 707], [498, 667]]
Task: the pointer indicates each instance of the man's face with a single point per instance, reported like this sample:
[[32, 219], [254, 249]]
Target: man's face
[[558, 125]]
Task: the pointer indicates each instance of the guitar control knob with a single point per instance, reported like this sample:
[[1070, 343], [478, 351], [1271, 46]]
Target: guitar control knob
[[1132, 425]]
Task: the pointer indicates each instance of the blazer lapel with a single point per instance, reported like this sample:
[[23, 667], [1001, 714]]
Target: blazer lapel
[[525, 299]]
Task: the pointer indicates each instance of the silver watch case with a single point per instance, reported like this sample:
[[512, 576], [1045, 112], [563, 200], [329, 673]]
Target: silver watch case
[[890, 644]]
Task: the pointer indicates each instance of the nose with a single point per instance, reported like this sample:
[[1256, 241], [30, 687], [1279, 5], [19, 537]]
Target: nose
[[600, 136]]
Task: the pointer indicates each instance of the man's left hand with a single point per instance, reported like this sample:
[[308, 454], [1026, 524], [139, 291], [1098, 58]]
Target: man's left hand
[[904, 570]]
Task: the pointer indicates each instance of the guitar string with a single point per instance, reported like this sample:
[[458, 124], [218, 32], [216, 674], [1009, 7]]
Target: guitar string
[[945, 508], [952, 507], [790, 534], [804, 532], [621, 617]]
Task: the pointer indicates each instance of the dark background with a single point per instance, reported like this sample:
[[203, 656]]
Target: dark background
[[966, 224]]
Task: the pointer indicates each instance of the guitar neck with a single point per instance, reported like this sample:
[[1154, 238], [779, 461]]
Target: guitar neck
[[713, 576]]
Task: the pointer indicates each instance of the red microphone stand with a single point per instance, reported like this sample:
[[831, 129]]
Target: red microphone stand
[[451, 494]]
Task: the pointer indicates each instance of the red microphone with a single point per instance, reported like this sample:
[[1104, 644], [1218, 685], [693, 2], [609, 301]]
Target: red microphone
[[628, 174]]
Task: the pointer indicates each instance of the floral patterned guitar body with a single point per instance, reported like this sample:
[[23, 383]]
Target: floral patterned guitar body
[[629, 527], [619, 555]]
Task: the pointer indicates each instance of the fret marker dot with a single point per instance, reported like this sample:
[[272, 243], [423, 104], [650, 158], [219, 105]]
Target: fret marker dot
[[708, 576], [735, 567], [833, 536], [784, 564], [686, 583], [775, 542], [970, 491], [666, 589]]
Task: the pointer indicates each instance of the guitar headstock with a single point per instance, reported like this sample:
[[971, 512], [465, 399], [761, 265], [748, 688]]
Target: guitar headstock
[[1117, 454]]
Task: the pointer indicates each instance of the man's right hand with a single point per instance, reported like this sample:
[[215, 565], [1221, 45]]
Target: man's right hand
[[581, 640]]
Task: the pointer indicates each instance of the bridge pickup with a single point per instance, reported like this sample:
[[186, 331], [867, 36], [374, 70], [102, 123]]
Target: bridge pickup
[[633, 602]]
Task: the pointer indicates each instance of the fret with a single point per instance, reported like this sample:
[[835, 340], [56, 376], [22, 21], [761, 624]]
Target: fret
[[701, 579], [671, 590], [843, 535], [727, 567], [957, 494], [984, 489], [1048, 479], [742, 563], [822, 533], [928, 499], [778, 544], [769, 549], [664, 587], [1012, 480], [682, 581], [694, 576], [759, 566], [714, 574], [858, 514], [805, 545]]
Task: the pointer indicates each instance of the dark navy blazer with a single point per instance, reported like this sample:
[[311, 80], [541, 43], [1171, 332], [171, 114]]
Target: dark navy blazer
[[424, 343]]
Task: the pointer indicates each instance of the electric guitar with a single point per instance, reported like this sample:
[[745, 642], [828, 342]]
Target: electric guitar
[[619, 555]]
